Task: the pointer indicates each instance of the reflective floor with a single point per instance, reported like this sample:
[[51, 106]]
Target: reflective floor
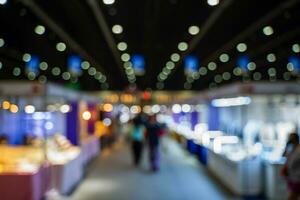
[[112, 177]]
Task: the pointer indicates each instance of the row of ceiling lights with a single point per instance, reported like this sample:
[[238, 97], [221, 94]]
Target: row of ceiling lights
[[122, 47], [174, 58], [56, 71], [182, 46], [224, 58]]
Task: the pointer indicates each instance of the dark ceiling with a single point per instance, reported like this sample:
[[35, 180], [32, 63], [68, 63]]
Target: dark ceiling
[[152, 28]]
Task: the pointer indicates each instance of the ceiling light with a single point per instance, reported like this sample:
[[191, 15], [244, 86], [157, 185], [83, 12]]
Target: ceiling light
[[122, 46], [16, 71], [2, 2], [42, 79], [56, 71], [251, 66], [160, 85], [202, 71], [182, 46], [194, 30], [296, 48], [108, 2], [117, 29], [272, 72], [125, 57], [86, 115], [226, 76], [237, 71], [92, 71], [218, 78], [31, 76], [61, 46], [175, 57], [65, 108], [26, 57], [2, 42], [224, 57], [127, 65], [241, 47], [1, 65], [66, 76], [290, 67], [85, 65], [257, 76], [212, 66], [271, 57], [268, 30], [213, 2], [39, 29], [43, 66], [170, 65]]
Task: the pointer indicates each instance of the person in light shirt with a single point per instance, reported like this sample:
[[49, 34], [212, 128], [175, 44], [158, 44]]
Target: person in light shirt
[[291, 170]]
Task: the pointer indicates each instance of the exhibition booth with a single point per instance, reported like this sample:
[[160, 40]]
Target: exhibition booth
[[46, 139], [244, 129]]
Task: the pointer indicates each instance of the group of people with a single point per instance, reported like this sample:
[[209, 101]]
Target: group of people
[[146, 130]]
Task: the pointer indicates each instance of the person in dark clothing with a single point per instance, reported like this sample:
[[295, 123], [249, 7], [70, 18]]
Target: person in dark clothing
[[291, 170], [137, 137], [154, 131]]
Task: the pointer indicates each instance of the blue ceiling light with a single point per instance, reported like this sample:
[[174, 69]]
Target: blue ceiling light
[[191, 64], [33, 64], [138, 62], [243, 62], [74, 65], [295, 62]]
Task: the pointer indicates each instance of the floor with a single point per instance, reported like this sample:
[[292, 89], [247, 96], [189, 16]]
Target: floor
[[113, 177]]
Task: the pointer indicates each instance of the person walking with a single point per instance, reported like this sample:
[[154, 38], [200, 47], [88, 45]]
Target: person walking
[[137, 139], [291, 170], [153, 133]]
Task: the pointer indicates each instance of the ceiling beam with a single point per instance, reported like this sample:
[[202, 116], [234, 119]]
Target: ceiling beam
[[76, 47], [103, 26]]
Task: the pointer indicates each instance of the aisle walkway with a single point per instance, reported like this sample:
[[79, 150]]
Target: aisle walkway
[[112, 177]]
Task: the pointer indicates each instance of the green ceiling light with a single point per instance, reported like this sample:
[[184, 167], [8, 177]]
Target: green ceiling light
[[2, 42], [122, 46], [212, 66], [56, 71], [268, 30], [224, 57], [42, 79], [183, 46], [117, 29], [125, 57], [66, 76], [257, 76], [175, 57], [241, 47], [194, 30], [226, 76], [39, 29], [61, 46], [296, 48], [271, 57], [92, 71], [26, 57], [85, 65], [43, 66], [16, 71], [251, 66]]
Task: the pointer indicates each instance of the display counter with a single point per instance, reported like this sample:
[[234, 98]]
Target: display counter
[[24, 185], [275, 184], [242, 177], [90, 148]]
